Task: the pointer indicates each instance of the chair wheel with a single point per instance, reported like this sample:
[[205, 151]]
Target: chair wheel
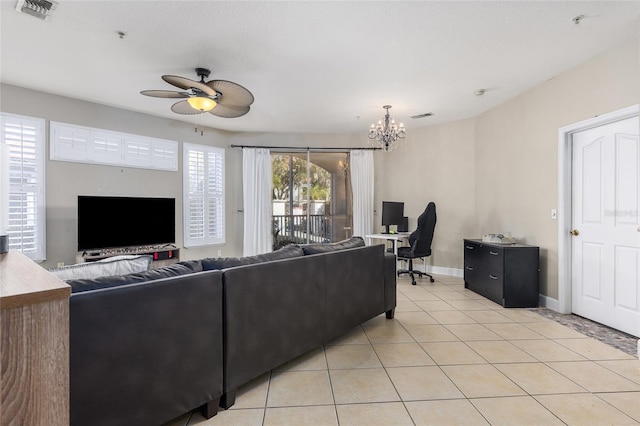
[[432, 280], [413, 282]]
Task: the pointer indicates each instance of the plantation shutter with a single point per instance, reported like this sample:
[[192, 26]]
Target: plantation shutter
[[137, 152], [164, 155], [96, 146], [71, 143], [26, 225], [107, 147], [203, 188]]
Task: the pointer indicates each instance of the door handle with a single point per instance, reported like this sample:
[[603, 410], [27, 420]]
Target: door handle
[[574, 232]]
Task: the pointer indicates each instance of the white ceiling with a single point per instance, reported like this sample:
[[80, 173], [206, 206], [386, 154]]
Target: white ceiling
[[313, 66]]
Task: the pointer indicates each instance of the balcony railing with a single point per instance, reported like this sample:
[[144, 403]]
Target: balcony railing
[[293, 229]]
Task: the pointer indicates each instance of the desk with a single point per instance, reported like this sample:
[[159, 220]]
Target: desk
[[394, 238]]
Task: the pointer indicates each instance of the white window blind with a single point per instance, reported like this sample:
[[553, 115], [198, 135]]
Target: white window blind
[[96, 146], [26, 225], [203, 189]]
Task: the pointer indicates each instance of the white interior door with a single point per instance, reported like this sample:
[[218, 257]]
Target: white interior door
[[606, 225]]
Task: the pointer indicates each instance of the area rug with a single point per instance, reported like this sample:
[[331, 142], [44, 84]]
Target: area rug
[[619, 340]]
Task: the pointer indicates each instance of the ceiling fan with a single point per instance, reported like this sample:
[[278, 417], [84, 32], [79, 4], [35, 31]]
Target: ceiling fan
[[218, 97]]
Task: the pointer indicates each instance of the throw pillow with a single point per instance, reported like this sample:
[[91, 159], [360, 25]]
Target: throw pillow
[[118, 265], [181, 268], [292, 250], [328, 247]]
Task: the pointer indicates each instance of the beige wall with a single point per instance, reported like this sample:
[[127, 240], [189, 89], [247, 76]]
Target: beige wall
[[435, 164], [516, 170]]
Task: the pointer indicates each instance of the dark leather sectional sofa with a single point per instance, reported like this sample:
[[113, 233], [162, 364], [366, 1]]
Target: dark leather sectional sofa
[[150, 346]]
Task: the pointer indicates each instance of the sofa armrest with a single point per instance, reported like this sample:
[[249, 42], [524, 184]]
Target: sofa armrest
[[390, 278], [145, 353]]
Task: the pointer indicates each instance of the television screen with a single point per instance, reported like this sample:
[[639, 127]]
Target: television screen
[[392, 213], [107, 222]]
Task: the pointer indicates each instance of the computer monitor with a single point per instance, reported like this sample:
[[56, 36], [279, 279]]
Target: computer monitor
[[405, 225], [392, 214]]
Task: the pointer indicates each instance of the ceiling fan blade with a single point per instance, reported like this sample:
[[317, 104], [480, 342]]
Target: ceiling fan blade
[[233, 95], [187, 83], [164, 94], [229, 111], [184, 108]]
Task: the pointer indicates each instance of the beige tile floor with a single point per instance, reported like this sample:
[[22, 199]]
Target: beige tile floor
[[450, 357]]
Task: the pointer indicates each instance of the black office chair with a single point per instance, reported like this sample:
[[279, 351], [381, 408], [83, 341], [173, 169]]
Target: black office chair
[[419, 242]]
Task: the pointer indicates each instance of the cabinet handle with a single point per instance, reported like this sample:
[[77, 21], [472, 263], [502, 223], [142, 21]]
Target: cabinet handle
[[469, 247], [493, 277], [469, 268], [493, 253]]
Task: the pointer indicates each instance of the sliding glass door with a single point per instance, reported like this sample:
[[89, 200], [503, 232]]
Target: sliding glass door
[[311, 197]]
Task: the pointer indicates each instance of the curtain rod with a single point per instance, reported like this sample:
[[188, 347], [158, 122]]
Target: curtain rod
[[304, 148]]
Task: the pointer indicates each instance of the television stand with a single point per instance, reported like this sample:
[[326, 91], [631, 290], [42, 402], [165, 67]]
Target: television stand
[[163, 255]]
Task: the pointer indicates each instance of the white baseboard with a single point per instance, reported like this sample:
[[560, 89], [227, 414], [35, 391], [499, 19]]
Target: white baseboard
[[549, 302], [440, 270]]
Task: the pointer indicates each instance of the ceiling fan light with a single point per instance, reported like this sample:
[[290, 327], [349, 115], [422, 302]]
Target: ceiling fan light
[[201, 103]]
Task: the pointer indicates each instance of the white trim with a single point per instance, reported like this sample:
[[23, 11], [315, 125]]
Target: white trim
[[440, 270], [549, 302], [564, 196]]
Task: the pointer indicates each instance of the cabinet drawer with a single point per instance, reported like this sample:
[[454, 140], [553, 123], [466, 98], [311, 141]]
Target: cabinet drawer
[[494, 287], [472, 253], [493, 257], [470, 272]]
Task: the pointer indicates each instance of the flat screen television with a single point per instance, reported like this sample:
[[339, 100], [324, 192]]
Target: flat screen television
[[392, 214], [107, 222]]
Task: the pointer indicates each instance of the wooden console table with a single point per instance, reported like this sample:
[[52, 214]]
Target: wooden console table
[[34, 339]]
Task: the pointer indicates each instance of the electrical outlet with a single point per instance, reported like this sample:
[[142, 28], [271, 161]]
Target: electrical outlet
[[219, 253], [554, 214], [60, 264]]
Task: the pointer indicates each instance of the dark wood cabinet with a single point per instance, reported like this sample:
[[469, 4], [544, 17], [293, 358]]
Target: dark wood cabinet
[[508, 274]]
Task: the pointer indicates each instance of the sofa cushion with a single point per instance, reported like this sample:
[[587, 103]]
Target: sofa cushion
[[181, 268], [340, 245], [117, 265], [286, 252]]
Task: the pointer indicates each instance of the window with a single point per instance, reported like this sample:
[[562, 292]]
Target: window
[[26, 226], [203, 191], [311, 197], [96, 146]]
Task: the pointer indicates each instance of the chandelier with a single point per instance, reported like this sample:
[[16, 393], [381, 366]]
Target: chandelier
[[387, 133]]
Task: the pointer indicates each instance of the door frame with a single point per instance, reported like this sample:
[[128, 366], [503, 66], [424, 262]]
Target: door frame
[[565, 141]]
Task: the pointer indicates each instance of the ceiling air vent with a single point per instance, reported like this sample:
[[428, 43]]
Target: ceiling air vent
[[428, 114], [41, 9]]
